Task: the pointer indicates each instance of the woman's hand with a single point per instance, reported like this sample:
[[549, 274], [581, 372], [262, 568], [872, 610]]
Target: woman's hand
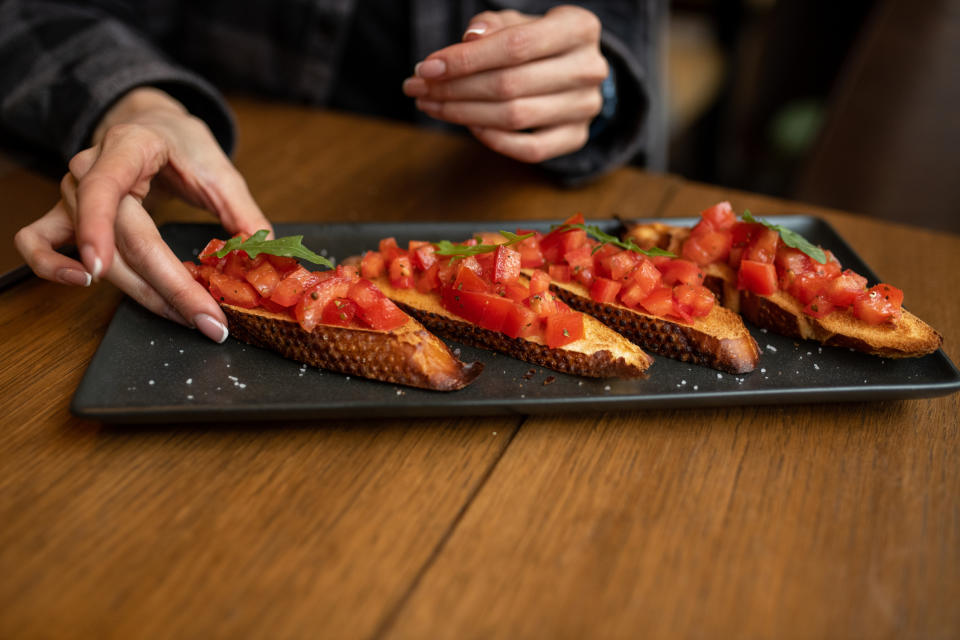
[[146, 135], [526, 86]]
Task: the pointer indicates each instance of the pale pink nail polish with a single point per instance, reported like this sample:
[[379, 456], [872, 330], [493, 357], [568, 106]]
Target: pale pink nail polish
[[475, 31], [74, 277], [211, 327], [91, 260], [433, 68]]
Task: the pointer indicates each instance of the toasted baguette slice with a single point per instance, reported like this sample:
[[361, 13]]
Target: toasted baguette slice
[[781, 313], [718, 340], [600, 353], [408, 355]]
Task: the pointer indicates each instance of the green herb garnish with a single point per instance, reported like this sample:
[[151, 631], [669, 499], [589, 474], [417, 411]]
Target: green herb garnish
[[286, 247], [791, 238], [447, 248], [605, 238]]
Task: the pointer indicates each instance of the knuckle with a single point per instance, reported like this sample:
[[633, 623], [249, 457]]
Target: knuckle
[[517, 45], [516, 115], [506, 86]]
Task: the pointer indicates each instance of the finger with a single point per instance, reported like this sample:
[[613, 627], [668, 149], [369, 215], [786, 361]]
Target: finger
[[156, 278], [532, 112], [489, 22], [538, 146], [583, 67], [230, 199], [560, 29], [129, 158], [37, 243]]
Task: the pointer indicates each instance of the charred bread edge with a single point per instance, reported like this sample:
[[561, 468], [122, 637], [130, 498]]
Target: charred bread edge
[[408, 355], [911, 337]]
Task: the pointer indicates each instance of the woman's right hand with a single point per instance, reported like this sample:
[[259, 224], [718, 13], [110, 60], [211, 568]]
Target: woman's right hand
[[146, 136]]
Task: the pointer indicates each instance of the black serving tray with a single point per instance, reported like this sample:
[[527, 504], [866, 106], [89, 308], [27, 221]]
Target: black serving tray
[[148, 369]]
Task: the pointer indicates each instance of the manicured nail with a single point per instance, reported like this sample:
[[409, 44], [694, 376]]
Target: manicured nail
[[91, 260], [75, 277], [475, 31], [414, 87], [211, 327], [433, 68]]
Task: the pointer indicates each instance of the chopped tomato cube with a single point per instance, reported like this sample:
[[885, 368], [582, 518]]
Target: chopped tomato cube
[[237, 264], [515, 291], [388, 247], [539, 282], [375, 309], [704, 248], [282, 264], [819, 307], [424, 256], [679, 271], [401, 272], [790, 259], [843, 290], [372, 265], [429, 280], [694, 300], [289, 290], [506, 264], [757, 277], [309, 308], [264, 278], [521, 322], [469, 280], [530, 255], [233, 291], [559, 272], [879, 304], [659, 302], [581, 257], [562, 328], [620, 264], [207, 253], [763, 246], [604, 290], [339, 312], [720, 216], [584, 276]]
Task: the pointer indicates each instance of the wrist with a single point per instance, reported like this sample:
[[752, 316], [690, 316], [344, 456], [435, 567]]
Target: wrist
[[133, 104]]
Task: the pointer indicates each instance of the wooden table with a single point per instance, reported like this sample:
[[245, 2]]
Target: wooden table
[[839, 520]]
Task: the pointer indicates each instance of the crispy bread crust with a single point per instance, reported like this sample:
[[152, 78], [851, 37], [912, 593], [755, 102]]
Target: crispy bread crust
[[719, 340], [910, 337], [601, 353], [408, 355]]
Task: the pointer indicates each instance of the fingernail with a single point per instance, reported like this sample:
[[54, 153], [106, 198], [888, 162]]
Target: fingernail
[[475, 31], [91, 260], [74, 276], [211, 327], [433, 68], [414, 87]]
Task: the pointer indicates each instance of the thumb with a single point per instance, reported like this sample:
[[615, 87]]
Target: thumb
[[487, 22]]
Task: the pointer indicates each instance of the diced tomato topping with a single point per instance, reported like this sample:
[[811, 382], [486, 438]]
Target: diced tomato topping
[[819, 307], [763, 246], [720, 216], [633, 294], [620, 264], [237, 264], [681, 272], [340, 312], [584, 275], [539, 282], [605, 290], [401, 272], [521, 322], [506, 264], [757, 277], [468, 280], [282, 264], [374, 308], [263, 277], [559, 272], [843, 290], [879, 304], [424, 256], [530, 255], [704, 248], [693, 300], [581, 257], [429, 280], [207, 254], [790, 259], [659, 302], [309, 308], [807, 286], [389, 249], [514, 291], [289, 290], [233, 291], [372, 265], [562, 328]]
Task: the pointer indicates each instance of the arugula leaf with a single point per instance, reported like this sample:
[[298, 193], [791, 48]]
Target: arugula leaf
[[791, 238], [287, 247], [447, 248], [597, 233]]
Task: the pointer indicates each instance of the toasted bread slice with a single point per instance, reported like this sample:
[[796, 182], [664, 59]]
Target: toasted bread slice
[[408, 355], [718, 340], [909, 337], [600, 353]]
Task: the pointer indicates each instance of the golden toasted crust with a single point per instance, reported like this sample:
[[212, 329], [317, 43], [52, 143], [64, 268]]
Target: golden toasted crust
[[718, 340], [909, 337], [601, 353], [408, 355]]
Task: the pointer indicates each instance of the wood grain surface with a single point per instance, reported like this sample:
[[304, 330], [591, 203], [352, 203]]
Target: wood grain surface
[[838, 520]]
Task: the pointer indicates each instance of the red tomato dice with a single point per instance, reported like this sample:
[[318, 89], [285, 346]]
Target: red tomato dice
[[233, 291], [372, 265], [401, 272], [604, 290], [289, 290], [704, 248], [562, 328], [757, 277], [506, 264], [264, 278]]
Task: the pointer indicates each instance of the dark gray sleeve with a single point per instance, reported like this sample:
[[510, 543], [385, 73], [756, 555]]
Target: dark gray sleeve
[[65, 63]]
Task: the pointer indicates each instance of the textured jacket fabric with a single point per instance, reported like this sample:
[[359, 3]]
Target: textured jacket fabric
[[64, 63]]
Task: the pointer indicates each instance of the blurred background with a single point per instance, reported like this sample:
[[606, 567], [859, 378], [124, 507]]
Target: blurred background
[[853, 104]]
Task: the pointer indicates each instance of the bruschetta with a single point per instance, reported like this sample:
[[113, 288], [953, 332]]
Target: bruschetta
[[331, 319], [780, 282], [474, 293]]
